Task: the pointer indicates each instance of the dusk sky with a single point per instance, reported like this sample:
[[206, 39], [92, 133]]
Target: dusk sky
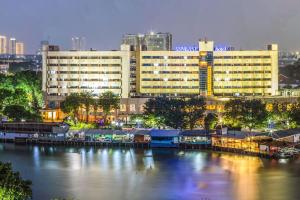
[[241, 23]]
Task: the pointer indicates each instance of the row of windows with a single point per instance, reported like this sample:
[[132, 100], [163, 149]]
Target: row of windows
[[243, 79], [244, 64], [241, 57], [170, 72], [84, 65], [242, 94], [169, 64], [86, 87], [170, 57], [86, 72], [84, 57], [85, 79], [170, 79], [241, 72], [241, 87], [170, 87]]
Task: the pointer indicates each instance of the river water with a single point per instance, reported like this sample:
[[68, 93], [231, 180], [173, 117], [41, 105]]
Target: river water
[[85, 173]]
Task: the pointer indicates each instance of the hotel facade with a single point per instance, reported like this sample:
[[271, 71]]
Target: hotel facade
[[207, 70]]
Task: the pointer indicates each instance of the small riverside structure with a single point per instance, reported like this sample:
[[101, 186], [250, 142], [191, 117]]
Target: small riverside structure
[[242, 142], [195, 139], [291, 135], [20, 132], [164, 138]]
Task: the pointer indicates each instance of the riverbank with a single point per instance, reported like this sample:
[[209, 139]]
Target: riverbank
[[181, 146]]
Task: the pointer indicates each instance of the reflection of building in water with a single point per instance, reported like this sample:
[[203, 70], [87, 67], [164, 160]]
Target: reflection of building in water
[[243, 171]]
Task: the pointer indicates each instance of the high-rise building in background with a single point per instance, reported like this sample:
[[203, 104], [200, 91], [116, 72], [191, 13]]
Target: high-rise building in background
[[3, 44], [158, 41], [12, 46], [19, 48], [78, 44], [149, 42]]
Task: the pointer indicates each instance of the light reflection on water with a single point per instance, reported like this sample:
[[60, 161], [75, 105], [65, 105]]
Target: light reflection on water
[[107, 173]]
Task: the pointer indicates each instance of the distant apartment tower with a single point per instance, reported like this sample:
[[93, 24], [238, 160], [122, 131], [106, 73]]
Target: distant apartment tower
[[19, 48], [12, 46], [3, 44], [78, 43], [149, 42]]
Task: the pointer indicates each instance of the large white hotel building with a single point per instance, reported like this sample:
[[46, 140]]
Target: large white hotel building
[[208, 70]]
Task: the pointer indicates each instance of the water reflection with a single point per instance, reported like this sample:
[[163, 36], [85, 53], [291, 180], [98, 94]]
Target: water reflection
[[108, 173]]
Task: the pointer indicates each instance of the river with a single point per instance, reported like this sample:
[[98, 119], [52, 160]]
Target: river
[[85, 173]]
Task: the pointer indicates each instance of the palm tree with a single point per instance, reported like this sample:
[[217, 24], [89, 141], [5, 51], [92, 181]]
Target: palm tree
[[107, 101], [95, 105], [86, 99]]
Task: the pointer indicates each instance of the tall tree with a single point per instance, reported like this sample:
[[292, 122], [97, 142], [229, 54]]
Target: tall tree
[[171, 111], [71, 105], [233, 112], [108, 101], [295, 113], [95, 105], [12, 186], [18, 112], [86, 99], [210, 121], [245, 113], [254, 114], [194, 108]]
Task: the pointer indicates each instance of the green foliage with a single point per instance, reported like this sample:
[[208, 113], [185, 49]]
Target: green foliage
[[176, 112], [12, 186], [171, 111], [147, 121], [22, 89], [18, 112], [71, 105], [210, 121], [86, 99], [108, 101], [194, 108], [80, 125], [294, 114], [233, 113], [281, 115], [245, 113]]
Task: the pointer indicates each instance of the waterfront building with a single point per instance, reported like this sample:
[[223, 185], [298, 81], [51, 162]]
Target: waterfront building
[[209, 70], [164, 138], [3, 44], [240, 141], [66, 72], [197, 137]]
